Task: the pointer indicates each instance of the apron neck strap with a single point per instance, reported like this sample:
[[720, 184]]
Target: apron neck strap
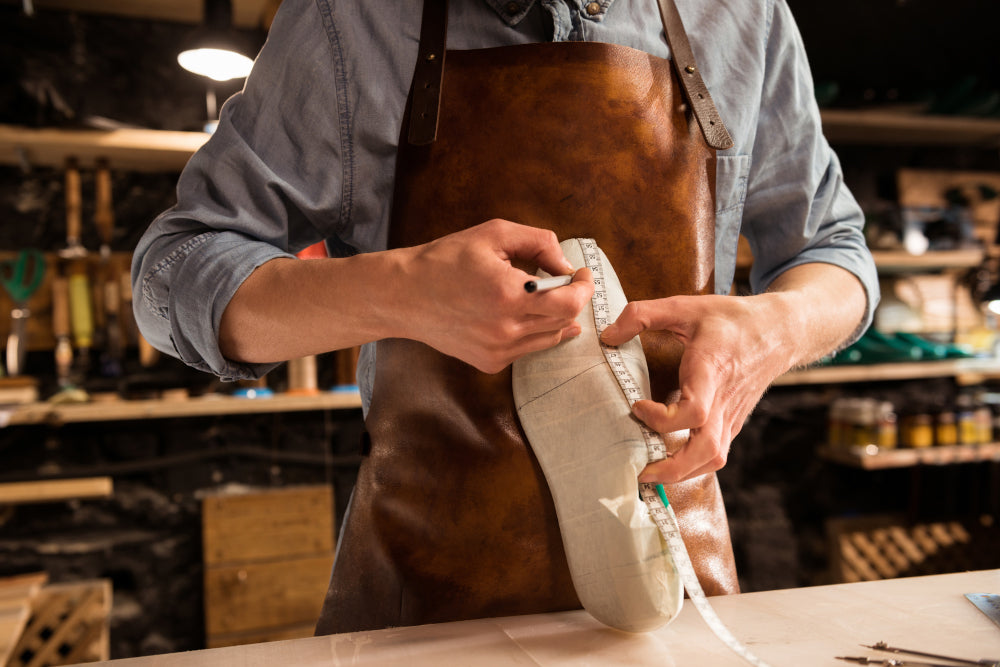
[[429, 73], [712, 127]]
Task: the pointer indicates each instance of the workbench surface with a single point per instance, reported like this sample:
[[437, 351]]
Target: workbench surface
[[804, 626]]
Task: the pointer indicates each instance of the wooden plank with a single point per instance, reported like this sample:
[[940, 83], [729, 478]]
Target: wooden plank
[[214, 404], [242, 598], [22, 586], [898, 371], [130, 149], [55, 490], [873, 458], [888, 127], [13, 619], [278, 523], [894, 261]]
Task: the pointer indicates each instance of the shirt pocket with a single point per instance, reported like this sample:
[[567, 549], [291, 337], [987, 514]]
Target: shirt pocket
[[731, 173]]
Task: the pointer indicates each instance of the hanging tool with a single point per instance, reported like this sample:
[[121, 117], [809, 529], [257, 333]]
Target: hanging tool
[[74, 213], [108, 275], [104, 215], [148, 355], [81, 313], [61, 331], [111, 358], [904, 662], [21, 277]]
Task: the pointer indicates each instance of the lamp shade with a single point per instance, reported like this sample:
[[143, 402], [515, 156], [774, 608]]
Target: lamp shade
[[216, 50]]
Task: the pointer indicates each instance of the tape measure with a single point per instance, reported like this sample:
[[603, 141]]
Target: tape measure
[[653, 495]]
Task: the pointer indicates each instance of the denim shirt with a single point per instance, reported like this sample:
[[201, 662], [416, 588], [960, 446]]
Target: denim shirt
[[306, 152]]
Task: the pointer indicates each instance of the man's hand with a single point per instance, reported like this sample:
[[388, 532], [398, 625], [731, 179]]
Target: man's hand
[[464, 296], [734, 347]]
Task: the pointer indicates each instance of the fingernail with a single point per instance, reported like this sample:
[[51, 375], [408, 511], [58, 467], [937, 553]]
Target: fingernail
[[646, 478]]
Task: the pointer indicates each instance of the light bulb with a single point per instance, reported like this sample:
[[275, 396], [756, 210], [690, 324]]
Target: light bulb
[[216, 64]]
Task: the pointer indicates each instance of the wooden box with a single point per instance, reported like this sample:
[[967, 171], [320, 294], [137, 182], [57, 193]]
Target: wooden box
[[268, 556]]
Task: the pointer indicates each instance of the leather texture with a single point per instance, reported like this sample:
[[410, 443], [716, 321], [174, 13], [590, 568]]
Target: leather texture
[[451, 517]]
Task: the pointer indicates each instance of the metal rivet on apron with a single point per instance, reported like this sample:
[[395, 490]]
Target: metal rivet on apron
[[593, 8], [512, 8], [689, 69], [430, 57]]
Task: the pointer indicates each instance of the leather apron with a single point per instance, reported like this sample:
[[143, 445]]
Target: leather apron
[[451, 517]]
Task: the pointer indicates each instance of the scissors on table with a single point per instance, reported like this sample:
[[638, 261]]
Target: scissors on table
[[21, 277]]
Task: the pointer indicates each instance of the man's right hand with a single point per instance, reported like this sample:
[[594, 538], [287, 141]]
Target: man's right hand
[[462, 294]]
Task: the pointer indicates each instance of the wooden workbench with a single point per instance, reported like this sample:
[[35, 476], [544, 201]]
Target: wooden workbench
[[805, 626]]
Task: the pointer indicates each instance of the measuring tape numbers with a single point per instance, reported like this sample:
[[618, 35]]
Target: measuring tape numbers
[[660, 509]]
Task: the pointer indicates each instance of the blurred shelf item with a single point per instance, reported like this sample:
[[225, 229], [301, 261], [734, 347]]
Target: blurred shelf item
[[49, 413], [873, 458]]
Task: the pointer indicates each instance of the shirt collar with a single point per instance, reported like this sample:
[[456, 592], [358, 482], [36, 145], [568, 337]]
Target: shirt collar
[[511, 11]]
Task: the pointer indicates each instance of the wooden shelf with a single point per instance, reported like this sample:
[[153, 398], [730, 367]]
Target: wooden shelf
[[50, 413], [892, 261], [873, 458], [968, 371], [130, 149], [879, 127]]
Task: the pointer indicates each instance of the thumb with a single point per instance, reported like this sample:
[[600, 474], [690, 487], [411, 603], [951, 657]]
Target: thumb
[[639, 316]]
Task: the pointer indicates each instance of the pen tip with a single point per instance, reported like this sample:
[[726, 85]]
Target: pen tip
[[530, 286]]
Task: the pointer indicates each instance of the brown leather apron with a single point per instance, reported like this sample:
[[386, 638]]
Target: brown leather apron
[[451, 517]]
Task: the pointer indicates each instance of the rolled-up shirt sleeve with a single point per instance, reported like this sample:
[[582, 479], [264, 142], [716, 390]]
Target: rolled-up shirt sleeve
[[252, 193], [798, 209]]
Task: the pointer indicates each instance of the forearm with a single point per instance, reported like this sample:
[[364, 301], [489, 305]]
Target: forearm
[[817, 308], [459, 294], [289, 308]]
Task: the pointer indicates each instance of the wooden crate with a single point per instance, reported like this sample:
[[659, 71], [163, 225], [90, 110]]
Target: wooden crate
[[268, 557], [69, 624], [887, 547], [16, 596]]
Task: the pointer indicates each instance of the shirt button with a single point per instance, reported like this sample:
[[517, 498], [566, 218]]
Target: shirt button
[[512, 8], [593, 8]]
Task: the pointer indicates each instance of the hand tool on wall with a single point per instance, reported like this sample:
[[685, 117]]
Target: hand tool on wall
[[61, 331], [104, 215], [81, 313], [21, 277], [74, 213], [148, 355], [111, 357], [108, 294]]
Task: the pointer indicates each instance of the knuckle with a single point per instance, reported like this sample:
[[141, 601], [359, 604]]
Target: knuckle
[[699, 412]]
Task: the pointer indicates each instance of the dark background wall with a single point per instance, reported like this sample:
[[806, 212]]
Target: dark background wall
[[66, 69]]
